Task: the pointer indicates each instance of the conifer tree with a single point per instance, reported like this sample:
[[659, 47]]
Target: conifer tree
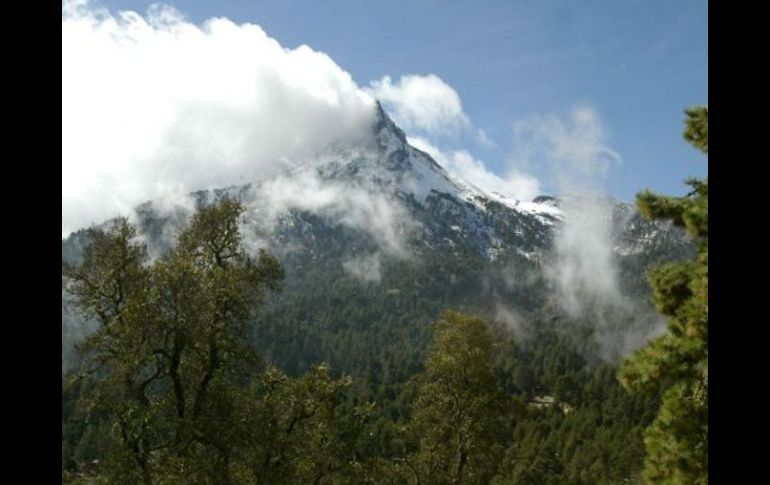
[[677, 361]]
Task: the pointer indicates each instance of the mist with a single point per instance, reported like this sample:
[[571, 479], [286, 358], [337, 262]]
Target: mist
[[583, 271]]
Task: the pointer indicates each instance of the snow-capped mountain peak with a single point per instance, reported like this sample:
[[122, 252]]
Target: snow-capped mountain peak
[[396, 166]]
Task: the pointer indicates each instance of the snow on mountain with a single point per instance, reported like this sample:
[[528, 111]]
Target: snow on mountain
[[442, 210], [397, 195], [412, 171]]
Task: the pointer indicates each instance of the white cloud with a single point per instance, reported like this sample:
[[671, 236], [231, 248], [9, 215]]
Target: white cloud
[[383, 219], [375, 214], [584, 270], [513, 184], [573, 149], [421, 104], [153, 105]]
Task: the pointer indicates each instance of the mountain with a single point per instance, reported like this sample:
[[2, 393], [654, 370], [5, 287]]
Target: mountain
[[377, 239]]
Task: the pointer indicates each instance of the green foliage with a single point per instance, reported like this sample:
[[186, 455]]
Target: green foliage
[[298, 433], [459, 415], [677, 441], [592, 431], [171, 347], [697, 127], [171, 388], [466, 406]]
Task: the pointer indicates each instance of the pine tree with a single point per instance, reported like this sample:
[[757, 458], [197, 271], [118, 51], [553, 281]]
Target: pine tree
[[677, 361]]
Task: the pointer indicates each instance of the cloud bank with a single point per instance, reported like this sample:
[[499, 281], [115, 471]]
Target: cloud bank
[[154, 105]]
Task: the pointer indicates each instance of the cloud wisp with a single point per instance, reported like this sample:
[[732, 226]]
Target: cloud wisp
[[379, 216], [573, 148], [583, 270], [578, 157]]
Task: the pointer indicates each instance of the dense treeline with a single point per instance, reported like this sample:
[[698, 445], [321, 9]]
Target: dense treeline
[[381, 330], [169, 388]]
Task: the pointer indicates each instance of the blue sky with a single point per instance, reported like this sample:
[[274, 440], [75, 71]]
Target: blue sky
[[636, 63]]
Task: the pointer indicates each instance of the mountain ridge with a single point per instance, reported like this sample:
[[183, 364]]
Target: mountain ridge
[[364, 216]]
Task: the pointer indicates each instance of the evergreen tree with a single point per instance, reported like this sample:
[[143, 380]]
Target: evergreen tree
[[677, 361]]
